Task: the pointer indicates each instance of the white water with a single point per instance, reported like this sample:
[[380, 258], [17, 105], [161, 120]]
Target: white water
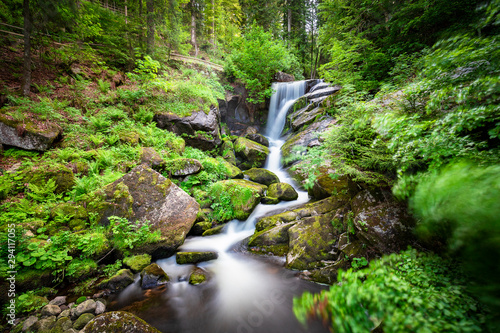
[[245, 293]]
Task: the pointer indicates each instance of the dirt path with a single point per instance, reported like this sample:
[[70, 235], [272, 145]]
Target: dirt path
[[179, 57]]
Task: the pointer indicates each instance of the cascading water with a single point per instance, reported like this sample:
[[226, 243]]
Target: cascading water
[[246, 293]]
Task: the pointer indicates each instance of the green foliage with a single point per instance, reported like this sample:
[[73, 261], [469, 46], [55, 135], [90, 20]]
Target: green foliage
[[112, 269], [127, 235], [29, 302], [223, 209], [147, 69], [458, 206], [44, 192], [399, 293], [77, 268], [246, 60], [42, 257]]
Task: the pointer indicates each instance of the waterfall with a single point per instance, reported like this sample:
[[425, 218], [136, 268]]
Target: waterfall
[[285, 94]]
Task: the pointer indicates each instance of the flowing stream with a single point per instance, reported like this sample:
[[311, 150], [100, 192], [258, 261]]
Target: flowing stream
[[246, 293]]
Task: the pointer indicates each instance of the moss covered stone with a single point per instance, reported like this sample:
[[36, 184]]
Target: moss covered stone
[[273, 240], [259, 138], [198, 276], [82, 321], [311, 242], [119, 281], [228, 151], [118, 322], [40, 174], [327, 184], [261, 176], [199, 228], [129, 137], [252, 154], [269, 200], [213, 231], [151, 158], [244, 195], [282, 191], [137, 263], [273, 220], [194, 257], [34, 137], [153, 276], [183, 167]]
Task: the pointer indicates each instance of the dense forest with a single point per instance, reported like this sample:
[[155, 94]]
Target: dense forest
[[109, 108]]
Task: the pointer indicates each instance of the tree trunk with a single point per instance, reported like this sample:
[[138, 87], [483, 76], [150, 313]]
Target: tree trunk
[[26, 84], [151, 27], [316, 63], [213, 22], [289, 23], [193, 28], [312, 51]]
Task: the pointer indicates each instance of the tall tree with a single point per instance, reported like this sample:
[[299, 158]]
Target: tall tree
[[194, 5], [151, 26], [26, 84]]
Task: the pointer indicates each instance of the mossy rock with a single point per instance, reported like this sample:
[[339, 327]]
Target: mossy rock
[[262, 176], [273, 220], [78, 213], [273, 240], [62, 325], [198, 276], [82, 321], [199, 228], [137, 263], [228, 151], [118, 322], [33, 279], [213, 231], [119, 281], [129, 137], [253, 154], [183, 258], [177, 145], [244, 195], [183, 167], [34, 137], [45, 325], [311, 242], [153, 276], [282, 191], [269, 200], [151, 158], [259, 138], [40, 174], [327, 184]]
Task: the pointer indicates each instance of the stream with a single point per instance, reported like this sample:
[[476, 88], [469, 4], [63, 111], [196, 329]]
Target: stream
[[246, 293]]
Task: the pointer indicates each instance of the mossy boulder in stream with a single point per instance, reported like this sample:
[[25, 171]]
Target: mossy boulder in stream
[[251, 154], [262, 176], [273, 240], [259, 138], [27, 134], [194, 257], [118, 322], [145, 195], [198, 276], [137, 263], [243, 195], [153, 276], [117, 282], [282, 191]]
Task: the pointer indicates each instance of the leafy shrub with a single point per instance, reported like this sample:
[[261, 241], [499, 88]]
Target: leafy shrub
[[127, 235], [407, 292], [459, 206]]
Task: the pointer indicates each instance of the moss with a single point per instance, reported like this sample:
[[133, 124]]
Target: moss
[[198, 276], [118, 321], [194, 257], [282, 191], [33, 279], [271, 221], [214, 231], [40, 174], [82, 321], [137, 263], [261, 176], [129, 137], [79, 269], [81, 300]]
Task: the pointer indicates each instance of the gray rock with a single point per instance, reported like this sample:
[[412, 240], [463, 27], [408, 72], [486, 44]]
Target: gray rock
[[183, 167], [259, 138], [153, 276], [145, 195], [282, 191], [88, 306], [82, 321], [151, 158], [323, 92], [50, 310], [64, 313], [28, 323], [100, 308], [27, 135], [191, 126], [118, 281], [119, 322], [59, 300], [63, 324], [45, 324], [283, 77]]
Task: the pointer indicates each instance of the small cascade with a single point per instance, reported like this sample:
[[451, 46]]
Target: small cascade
[[285, 94], [245, 293]]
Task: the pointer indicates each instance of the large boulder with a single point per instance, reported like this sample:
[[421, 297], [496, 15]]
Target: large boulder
[[118, 322], [273, 240], [261, 176], [137, 263], [381, 221], [27, 134], [200, 130], [311, 242], [251, 154], [244, 195], [153, 276], [328, 184], [282, 191], [145, 195], [259, 138]]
